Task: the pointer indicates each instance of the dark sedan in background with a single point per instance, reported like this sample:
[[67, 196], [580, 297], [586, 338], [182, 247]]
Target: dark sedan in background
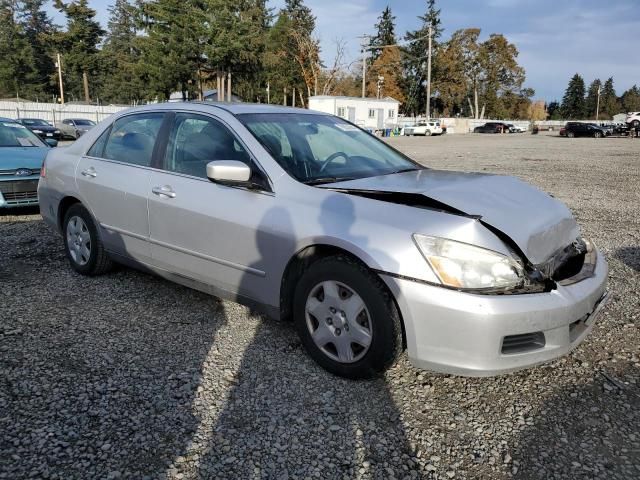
[[492, 127], [40, 127], [579, 129]]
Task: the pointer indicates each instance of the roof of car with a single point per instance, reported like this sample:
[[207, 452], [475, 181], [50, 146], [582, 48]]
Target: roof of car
[[5, 119], [233, 108]]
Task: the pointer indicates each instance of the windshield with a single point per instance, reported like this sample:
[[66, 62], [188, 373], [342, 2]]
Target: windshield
[[85, 123], [322, 149], [34, 122], [16, 135]]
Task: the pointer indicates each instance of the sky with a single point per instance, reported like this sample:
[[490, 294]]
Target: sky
[[555, 38]]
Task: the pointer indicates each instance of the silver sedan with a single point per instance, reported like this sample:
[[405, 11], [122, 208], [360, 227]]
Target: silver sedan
[[309, 218]]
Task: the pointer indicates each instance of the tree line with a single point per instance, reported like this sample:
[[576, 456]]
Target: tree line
[[581, 102], [153, 48]]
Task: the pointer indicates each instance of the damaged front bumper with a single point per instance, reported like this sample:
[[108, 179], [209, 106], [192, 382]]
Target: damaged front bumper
[[469, 334]]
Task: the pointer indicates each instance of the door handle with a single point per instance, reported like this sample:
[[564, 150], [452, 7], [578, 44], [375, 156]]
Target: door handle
[[89, 172], [164, 191]]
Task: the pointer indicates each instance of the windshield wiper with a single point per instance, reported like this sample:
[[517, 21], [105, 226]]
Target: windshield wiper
[[321, 180]]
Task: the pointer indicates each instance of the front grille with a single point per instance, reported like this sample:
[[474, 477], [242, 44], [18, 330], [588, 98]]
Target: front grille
[[13, 171], [18, 186], [522, 343], [10, 197]]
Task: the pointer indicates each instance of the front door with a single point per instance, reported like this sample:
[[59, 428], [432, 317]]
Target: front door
[[199, 229], [113, 180], [351, 111]]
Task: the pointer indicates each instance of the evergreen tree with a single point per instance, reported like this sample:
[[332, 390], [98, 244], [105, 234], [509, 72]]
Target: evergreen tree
[[573, 102], [591, 102], [554, 112], [609, 105], [79, 47], [120, 56], [173, 48], [303, 49], [385, 33], [630, 99], [39, 30], [18, 70], [416, 61]]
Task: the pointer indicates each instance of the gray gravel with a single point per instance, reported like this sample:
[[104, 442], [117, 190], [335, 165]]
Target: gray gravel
[[129, 376]]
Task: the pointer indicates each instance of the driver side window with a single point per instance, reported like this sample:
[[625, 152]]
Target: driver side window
[[196, 140]]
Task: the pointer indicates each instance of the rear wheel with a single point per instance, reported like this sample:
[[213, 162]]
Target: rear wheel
[[82, 242], [571, 134], [597, 135], [427, 133], [346, 319], [635, 124]]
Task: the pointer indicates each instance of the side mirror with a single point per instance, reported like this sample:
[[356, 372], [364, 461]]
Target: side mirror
[[230, 172], [52, 142]]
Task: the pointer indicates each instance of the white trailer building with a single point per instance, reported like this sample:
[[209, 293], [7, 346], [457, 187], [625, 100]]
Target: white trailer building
[[372, 113]]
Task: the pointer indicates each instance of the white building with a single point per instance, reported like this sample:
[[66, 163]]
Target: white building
[[373, 113]]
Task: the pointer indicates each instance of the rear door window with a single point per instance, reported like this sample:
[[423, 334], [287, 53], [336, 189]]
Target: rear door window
[[133, 138]]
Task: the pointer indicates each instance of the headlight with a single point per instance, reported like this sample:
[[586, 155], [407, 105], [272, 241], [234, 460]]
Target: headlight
[[37, 131], [461, 265], [57, 131]]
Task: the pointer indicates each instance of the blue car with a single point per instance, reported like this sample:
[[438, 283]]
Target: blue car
[[22, 153]]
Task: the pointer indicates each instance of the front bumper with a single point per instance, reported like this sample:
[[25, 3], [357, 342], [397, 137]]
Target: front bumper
[[462, 333]]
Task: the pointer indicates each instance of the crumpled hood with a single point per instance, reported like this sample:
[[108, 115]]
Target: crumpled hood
[[539, 224], [22, 157]]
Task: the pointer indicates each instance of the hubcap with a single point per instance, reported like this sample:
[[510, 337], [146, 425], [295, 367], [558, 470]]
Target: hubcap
[[78, 240], [339, 322]]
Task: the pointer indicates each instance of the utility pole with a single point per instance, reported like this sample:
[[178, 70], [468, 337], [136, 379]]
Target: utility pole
[[268, 93], [379, 85], [598, 104], [429, 75], [229, 87], [85, 82], [59, 65], [364, 64]]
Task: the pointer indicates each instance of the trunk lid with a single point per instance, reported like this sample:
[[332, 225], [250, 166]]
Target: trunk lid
[[539, 224]]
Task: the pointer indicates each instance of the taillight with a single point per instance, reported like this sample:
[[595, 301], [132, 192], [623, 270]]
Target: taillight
[[43, 169]]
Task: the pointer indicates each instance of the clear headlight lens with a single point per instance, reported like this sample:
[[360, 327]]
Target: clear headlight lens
[[461, 265]]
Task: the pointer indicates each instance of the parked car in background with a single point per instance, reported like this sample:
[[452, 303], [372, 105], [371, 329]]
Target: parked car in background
[[633, 120], [432, 127], [22, 153], [580, 129], [515, 129], [563, 132], [75, 127], [492, 127], [42, 128], [307, 217]]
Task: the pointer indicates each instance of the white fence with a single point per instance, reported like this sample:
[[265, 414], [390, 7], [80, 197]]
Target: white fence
[[54, 112]]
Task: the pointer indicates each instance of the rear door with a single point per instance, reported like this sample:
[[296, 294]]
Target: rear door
[[113, 180], [199, 229]]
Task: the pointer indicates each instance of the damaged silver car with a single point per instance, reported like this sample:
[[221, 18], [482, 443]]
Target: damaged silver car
[[307, 217]]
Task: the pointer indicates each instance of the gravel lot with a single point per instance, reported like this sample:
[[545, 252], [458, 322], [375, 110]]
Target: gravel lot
[[129, 376]]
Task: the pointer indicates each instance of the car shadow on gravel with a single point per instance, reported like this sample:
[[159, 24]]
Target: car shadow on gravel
[[19, 211], [630, 256], [285, 417], [586, 431]]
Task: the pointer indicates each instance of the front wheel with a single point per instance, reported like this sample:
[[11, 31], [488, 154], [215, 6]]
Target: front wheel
[[427, 133], [82, 242], [346, 319], [571, 134], [597, 135]]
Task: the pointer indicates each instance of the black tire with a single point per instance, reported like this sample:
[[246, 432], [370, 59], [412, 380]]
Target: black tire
[[571, 134], [427, 133], [98, 261], [597, 135], [386, 330], [635, 124]]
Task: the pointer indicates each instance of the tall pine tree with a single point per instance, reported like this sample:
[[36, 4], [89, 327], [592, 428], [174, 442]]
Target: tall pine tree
[[39, 30], [79, 47], [416, 61], [573, 102], [18, 70], [631, 99], [591, 102], [385, 33], [609, 104]]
